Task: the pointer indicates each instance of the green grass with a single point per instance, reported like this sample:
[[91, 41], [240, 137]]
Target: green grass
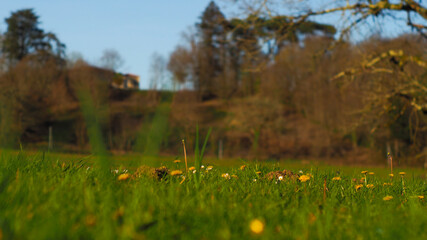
[[56, 196]]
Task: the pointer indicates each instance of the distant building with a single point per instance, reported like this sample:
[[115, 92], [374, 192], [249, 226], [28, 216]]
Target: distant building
[[126, 81]]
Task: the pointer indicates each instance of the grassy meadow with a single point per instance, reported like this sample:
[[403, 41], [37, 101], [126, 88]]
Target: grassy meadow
[[255, 84], [58, 196]]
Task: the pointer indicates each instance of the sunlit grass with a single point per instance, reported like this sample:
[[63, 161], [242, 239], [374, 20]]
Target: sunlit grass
[[57, 196]]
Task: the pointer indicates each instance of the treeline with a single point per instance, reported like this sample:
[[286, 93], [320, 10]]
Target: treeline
[[269, 87], [222, 58], [292, 89]]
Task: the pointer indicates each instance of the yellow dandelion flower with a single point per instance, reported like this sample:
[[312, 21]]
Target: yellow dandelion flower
[[391, 175], [192, 169], [370, 186], [234, 176], [402, 173], [177, 161], [336, 179], [387, 184], [387, 198], [259, 172], [304, 178], [225, 175], [364, 172], [176, 172], [420, 197], [371, 173], [358, 186], [123, 176], [242, 167], [256, 226]]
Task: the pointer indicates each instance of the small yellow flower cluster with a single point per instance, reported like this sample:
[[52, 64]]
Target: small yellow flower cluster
[[358, 186], [209, 168], [123, 176], [304, 178], [402, 173], [387, 198], [225, 175], [387, 184], [336, 179], [242, 167], [192, 169], [370, 186], [364, 172], [176, 172], [177, 161]]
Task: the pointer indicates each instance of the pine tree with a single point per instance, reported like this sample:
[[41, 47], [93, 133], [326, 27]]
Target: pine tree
[[212, 50], [24, 37]]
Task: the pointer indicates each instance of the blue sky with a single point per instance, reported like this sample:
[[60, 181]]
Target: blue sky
[[135, 28]]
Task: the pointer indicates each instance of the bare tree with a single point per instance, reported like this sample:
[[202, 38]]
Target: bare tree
[[354, 12], [157, 72], [75, 59], [2, 56], [111, 59]]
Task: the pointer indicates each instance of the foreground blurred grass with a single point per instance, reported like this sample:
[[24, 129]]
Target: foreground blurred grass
[[57, 196]]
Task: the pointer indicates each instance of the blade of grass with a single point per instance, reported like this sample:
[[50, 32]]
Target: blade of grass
[[185, 157], [94, 131], [204, 144], [196, 157], [153, 131], [99, 149], [199, 154]]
